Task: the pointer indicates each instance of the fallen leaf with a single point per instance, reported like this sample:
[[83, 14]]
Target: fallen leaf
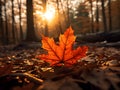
[[62, 53]]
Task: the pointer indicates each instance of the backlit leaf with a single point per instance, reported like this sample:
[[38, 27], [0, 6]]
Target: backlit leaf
[[63, 52]]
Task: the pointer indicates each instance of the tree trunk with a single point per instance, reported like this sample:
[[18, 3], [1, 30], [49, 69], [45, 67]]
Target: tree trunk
[[104, 16], [45, 22], [58, 11], [97, 16], [118, 6], [13, 23], [92, 21], [68, 14], [20, 20], [6, 41], [62, 9], [1, 24], [31, 36], [109, 13]]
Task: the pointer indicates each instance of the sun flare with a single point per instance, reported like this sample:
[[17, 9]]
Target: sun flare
[[50, 13]]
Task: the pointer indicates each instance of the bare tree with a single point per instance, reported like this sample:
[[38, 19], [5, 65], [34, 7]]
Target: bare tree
[[68, 13], [31, 36], [104, 15], [109, 13], [63, 11], [13, 22], [118, 6], [92, 21], [97, 16], [58, 11], [6, 41], [45, 21], [20, 19], [1, 23]]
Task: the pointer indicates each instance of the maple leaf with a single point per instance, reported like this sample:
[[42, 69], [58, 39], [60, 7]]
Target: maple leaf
[[63, 52]]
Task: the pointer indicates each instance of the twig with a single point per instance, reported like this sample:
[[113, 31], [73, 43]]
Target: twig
[[28, 76]]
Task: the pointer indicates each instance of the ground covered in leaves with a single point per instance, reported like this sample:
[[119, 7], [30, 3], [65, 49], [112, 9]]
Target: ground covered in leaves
[[20, 69]]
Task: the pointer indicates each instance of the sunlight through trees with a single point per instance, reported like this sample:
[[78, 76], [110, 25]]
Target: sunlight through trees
[[52, 17]]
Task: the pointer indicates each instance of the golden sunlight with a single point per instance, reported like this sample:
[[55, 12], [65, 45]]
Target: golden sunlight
[[50, 13]]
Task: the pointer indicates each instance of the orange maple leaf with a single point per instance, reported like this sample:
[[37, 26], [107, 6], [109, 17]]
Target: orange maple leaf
[[63, 52]]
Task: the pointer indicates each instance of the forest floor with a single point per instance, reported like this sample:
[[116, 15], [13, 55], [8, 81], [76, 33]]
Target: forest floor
[[21, 70]]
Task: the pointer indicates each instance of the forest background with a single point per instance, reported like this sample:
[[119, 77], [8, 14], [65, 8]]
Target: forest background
[[26, 20]]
